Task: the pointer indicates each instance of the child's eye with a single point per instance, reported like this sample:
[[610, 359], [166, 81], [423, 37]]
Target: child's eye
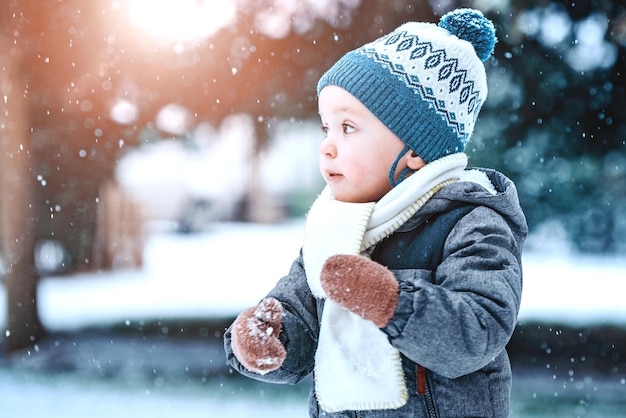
[[347, 129], [325, 130]]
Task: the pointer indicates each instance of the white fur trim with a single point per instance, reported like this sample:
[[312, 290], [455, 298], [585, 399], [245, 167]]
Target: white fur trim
[[480, 178]]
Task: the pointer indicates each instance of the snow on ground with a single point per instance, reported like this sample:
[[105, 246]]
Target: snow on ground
[[574, 289], [232, 266], [215, 274], [36, 396]]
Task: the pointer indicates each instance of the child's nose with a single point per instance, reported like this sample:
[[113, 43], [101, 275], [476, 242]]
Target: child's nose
[[328, 148]]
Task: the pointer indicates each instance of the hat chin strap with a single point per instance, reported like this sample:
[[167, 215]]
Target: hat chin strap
[[404, 173]]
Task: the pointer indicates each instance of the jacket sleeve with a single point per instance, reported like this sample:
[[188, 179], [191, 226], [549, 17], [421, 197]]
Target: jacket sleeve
[[463, 320], [299, 330]]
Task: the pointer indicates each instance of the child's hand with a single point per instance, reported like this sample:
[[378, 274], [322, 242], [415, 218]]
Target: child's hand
[[255, 337], [363, 286]]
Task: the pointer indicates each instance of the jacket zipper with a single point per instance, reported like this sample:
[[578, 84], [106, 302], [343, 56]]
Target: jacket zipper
[[423, 388]]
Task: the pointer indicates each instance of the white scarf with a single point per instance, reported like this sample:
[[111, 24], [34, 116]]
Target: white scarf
[[356, 368]]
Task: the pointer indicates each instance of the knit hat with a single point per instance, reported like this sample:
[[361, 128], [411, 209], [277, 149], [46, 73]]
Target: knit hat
[[425, 82]]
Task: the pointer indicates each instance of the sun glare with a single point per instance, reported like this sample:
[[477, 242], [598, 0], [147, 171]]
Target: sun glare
[[182, 20]]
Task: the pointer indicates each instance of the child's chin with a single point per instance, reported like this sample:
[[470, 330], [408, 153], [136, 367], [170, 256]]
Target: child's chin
[[348, 198]]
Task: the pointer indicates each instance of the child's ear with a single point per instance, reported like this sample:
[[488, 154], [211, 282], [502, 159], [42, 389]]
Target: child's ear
[[414, 161]]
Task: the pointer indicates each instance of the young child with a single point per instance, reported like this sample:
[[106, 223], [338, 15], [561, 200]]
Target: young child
[[409, 280]]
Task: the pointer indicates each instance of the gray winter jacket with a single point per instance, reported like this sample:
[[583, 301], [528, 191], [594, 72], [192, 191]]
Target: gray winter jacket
[[453, 319]]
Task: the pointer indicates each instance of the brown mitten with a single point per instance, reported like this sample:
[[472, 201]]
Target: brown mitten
[[255, 337], [365, 287]]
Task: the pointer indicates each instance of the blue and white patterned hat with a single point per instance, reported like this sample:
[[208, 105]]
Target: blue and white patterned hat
[[425, 82]]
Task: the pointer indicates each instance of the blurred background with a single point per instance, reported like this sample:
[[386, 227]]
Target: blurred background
[[147, 148]]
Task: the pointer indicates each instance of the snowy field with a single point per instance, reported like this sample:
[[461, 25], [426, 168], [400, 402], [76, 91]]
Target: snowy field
[[65, 397], [218, 273]]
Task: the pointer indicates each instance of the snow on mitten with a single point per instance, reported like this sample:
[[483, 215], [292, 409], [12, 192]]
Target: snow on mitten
[[255, 337], [363, 286]]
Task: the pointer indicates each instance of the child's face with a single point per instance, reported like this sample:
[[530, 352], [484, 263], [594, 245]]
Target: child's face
[[358, 151]]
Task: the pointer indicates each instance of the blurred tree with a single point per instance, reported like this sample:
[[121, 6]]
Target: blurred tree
[[16, 185], [555, 120]]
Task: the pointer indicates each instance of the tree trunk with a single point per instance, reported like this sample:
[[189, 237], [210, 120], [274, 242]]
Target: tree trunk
[[262, 208], [16, 190]]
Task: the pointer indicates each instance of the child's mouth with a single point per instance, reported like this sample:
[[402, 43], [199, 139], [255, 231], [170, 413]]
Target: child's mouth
[[330, 175]]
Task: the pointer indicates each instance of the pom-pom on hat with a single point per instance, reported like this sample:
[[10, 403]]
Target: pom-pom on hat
[[425, 82]]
